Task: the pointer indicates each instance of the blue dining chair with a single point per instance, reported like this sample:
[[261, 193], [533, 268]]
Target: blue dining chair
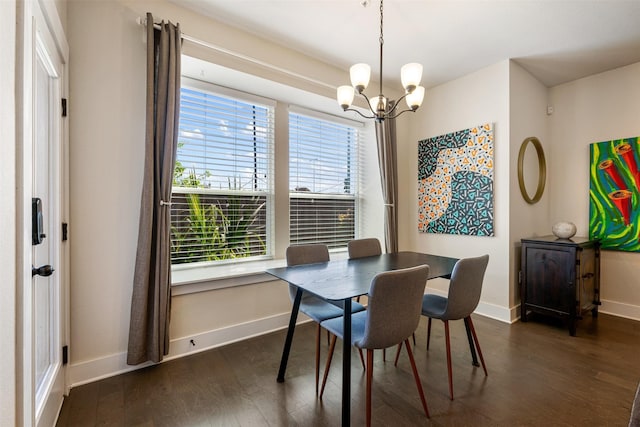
[[314, 307], [393, 314], [465, 288]]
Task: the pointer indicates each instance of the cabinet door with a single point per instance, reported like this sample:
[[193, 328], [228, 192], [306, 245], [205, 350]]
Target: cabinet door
[[549, 276]]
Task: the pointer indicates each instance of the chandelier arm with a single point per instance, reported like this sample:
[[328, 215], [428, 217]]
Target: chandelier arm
[[369, 104], [401, 112], [395, 106], [357, 111]]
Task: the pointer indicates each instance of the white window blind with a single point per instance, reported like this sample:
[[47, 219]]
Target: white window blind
[[221, 202], [323, 179]]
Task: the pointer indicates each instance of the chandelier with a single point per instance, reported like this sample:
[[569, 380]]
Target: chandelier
[[410, 75]]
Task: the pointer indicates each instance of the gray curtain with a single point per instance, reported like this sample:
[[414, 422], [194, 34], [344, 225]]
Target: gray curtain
[[151, 299], [387, 154]]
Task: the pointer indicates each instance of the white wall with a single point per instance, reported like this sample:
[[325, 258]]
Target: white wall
[[472, 100], [106, 116], [8, 214], [598, 108], [107, 101], [528, 99]]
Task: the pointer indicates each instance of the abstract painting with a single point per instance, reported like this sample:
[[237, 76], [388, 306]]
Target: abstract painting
[[455, 182], [613, 194]]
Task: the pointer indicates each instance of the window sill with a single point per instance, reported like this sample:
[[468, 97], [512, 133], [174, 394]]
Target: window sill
[[189, 280]]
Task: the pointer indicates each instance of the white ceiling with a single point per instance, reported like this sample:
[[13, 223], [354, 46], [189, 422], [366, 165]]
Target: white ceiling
[[556, 40]]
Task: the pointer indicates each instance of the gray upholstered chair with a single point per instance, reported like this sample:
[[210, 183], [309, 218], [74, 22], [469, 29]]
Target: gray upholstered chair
[[465, 287], [360, 248], [316, 308], [392, 316]]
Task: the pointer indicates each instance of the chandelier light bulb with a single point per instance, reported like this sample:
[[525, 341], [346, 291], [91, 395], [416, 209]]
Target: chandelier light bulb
[[345, 96], [360, 75], [410, 75], [415, 98]]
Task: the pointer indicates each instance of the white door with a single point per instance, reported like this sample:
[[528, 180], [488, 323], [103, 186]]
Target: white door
[[44, 303]]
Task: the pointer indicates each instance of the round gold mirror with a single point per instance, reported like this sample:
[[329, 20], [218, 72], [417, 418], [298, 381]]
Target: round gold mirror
[[542, 169]]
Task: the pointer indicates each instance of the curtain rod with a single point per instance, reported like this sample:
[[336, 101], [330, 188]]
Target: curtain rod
[[143, 22]]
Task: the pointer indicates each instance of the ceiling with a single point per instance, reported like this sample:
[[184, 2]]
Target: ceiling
[[555, 40]]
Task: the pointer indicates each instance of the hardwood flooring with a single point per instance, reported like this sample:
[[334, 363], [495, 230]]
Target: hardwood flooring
[[538, 376]]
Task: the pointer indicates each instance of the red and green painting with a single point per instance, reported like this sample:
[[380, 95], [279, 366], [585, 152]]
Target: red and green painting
[[614, 194]]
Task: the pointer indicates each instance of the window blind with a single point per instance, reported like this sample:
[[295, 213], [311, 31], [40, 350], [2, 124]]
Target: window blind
[[323, 179], [221, 207]]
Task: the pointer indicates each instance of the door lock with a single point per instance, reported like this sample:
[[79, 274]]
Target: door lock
[[44, 271]]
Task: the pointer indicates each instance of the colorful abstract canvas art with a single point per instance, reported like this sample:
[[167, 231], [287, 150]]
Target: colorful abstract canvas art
[[455, 182], [614, 193]]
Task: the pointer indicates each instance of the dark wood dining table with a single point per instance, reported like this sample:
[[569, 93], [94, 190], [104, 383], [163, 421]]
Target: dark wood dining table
[[339, 281]]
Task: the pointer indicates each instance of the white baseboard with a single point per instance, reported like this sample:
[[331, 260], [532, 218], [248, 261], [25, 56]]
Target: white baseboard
[[115, 364], [620, 309], [503, 314], [108, 366]]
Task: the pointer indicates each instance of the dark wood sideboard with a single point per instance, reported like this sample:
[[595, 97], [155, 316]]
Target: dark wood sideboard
[[560, 277]]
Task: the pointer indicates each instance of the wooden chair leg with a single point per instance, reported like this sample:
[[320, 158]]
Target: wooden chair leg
[[318, 333], [361, 358], [446, 334], [332, 347], [475, 339], [398, 354], [384, 354], [428, 333], [417, 377], [369, 383], [414, 339]]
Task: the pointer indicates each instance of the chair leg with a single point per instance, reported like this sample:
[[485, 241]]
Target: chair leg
[[428, 333], [369, 383], [417, 377], [361, 358], [414, 339], [475, 339], [384, 354], [446, 334], [398, 354], [318, 333], [332, 347]]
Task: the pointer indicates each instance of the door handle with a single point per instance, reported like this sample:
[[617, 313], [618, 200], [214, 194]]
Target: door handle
[[44, 271]]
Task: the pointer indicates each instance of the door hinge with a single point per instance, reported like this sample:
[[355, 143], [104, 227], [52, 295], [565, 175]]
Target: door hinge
[[65, 230], [65, 354], [64, 107]]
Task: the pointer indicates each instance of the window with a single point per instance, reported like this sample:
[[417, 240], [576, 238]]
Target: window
[[323, 180], [222, 184], [225, 194]]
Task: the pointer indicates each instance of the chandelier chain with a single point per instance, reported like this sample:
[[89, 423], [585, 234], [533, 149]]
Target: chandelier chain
[[381, 43], [381, 16]]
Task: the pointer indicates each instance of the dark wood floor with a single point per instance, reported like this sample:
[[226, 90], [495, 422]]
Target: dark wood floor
[[538, 376]]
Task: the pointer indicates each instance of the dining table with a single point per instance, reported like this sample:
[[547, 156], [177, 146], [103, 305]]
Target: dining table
[[338, 282]]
